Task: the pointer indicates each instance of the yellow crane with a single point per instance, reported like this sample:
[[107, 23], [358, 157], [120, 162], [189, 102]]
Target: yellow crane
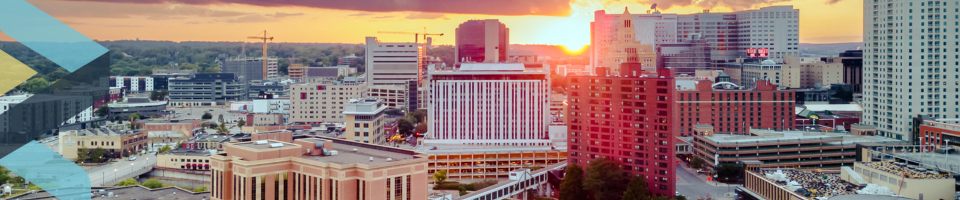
[[416, 36], [265, 37]]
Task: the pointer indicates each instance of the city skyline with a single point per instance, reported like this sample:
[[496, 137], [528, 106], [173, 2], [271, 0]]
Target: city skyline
[[534, 21]]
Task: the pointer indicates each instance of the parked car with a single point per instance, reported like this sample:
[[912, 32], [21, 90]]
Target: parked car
[[132, 158]]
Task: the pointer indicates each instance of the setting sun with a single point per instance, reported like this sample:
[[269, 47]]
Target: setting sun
[[574, 50]]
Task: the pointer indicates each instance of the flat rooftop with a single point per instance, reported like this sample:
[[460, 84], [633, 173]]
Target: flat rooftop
[[911, 171], [439, 149], [808, 183], [187, 152], [762, 135], [103, 131], [127, 192], [362, 155]]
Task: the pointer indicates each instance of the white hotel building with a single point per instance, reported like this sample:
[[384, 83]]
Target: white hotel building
[[910, 63], [489, 104]]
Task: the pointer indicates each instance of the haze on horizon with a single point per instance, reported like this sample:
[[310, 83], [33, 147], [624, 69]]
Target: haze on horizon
[[555, 22]]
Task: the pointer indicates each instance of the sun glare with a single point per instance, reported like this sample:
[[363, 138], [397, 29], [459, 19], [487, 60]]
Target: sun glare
[[574, 50]]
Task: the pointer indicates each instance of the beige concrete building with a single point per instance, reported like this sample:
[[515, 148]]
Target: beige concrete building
[[804, 72], [902, 179], [394, 96], [317, 168], [627, 49], [296, 71], [315, 103], [364, 120], [191, 159], [470, 162], [263, 119], [115, 142]]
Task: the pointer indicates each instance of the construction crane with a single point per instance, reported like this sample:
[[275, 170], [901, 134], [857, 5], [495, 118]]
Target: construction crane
[[265, 37], [416, 36]]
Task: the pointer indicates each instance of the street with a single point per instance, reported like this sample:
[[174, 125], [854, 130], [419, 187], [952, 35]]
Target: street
[[692, 185], [120, 169]]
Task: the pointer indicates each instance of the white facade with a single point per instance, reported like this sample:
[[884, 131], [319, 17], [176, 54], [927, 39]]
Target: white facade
[[910, 63], [474, 106], [391, 63], [728, 34]]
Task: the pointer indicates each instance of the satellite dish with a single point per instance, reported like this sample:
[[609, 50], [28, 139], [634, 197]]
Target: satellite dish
[[653, 7]]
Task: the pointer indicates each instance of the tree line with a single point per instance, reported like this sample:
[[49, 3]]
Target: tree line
[[604, 180]]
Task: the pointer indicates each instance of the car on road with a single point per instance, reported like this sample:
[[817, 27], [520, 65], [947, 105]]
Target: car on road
[[132, 158], [211, 110]]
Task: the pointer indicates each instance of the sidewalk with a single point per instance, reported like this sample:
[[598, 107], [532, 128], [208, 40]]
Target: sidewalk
[[704, 177]]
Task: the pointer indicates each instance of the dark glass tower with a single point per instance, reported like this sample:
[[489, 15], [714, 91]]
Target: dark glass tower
[[482, 41]]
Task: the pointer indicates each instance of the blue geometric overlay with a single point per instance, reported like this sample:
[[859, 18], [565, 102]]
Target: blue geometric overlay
[[47, 36], [50, 171]]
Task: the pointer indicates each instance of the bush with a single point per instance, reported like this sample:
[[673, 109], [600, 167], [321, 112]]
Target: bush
[[200, 189], [153, 183], [447, 186], [128, 182], [463, 191]]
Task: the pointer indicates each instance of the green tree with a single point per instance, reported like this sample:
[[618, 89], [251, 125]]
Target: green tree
[[206, 115], [604, 179], [439, 177], [463, 190], [571, 187], [405, 125], [98, 155], [637, 189], [420, 128], [35, 85], [165, 148], [102, 111], [128, 182], [152, 183], [696, 162], [729, 172], [83, 154], [220, 119], [223, 128], [189, 66], [4, 174], [241, 123]]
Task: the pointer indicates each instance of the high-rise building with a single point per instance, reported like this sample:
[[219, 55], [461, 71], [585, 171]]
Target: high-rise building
[[626, 119], [348, 60], [316, 103], [317, 168], [485, 40], [770, 32], [248, 69], [208, 89], [700, 105], [625, 49], [489, 104], [364, 120], [296, 71], [852, 69], [161, 77], [391, 63], [686, 57], [908, 67], [133, 84], [801, 72]]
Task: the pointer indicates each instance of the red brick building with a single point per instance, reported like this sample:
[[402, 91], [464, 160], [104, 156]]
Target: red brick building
[[628, 120], [733, 111], [939, 133]]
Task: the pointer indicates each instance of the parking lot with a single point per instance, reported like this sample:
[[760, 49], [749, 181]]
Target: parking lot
[[197, 113]]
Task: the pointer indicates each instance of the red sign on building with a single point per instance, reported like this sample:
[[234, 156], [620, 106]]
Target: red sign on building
[[758, 52]]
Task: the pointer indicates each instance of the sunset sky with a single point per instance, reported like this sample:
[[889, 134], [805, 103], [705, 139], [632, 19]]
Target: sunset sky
[[562, 22]]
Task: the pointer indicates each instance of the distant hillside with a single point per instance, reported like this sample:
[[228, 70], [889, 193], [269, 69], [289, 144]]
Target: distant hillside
[[827, 49]]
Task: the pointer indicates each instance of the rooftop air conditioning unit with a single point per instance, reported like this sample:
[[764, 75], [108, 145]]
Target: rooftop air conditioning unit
[[261, 142], [275, 145]]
